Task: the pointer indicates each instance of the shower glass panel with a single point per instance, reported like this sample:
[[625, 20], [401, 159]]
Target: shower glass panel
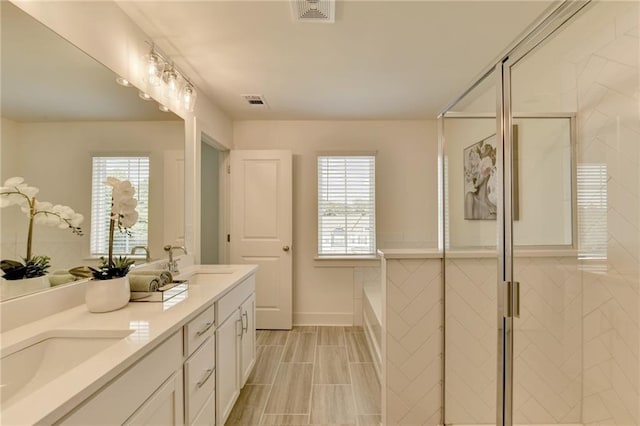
[[469, 184], [576, 227]]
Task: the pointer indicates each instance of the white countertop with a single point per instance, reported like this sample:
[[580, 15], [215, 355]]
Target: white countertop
[[151, 322], [410, 253]]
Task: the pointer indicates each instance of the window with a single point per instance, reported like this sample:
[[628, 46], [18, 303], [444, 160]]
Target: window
[[346, 205], [592, 215], [135, 170]]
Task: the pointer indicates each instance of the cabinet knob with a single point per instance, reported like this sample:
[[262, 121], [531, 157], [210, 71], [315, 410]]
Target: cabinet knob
[[285, 248]]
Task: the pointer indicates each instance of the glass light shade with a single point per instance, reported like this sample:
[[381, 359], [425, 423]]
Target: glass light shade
[[153, 69], [172, 83], [163, 108], [189, 96]]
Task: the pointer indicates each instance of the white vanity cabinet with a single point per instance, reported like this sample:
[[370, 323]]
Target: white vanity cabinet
[[199, 368], [248, 338], [235, 344], [149, 392]]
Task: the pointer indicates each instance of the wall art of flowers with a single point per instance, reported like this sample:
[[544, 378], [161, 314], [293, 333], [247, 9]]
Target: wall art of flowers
[[480, 180]]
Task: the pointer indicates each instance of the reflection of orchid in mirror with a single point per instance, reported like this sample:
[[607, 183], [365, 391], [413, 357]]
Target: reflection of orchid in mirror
[[16, 192], [123, 216]]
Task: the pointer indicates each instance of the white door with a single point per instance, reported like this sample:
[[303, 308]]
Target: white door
[[261, 230]]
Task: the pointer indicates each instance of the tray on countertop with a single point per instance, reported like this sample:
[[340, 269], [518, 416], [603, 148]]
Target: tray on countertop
[[163, 294]]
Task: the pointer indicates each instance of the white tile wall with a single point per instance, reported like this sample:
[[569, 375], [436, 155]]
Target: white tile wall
[[548, 342], [413, 342], [609, 133]]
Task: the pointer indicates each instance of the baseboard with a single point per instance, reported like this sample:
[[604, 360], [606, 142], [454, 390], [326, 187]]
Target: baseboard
[[323, 318]]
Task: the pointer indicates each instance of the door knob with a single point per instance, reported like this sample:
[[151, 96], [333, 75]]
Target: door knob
[[285, 248]]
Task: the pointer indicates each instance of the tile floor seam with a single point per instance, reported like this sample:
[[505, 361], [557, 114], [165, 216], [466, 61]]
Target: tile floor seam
[[264, 409], [353, 387], [313, 374]]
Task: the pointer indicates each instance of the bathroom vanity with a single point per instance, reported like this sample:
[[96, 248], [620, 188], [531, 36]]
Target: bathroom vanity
[[182, 361]]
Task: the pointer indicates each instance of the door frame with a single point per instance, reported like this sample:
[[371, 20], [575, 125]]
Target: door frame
[[223, 198]]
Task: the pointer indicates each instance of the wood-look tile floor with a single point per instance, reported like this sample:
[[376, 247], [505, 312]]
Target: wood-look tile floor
[[310, 376]]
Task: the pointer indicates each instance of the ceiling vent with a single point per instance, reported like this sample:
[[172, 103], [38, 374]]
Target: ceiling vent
[[255, 100], [314, 10]]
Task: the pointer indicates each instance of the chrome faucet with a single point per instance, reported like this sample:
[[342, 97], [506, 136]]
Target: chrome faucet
[[147, 257], [173, 264]]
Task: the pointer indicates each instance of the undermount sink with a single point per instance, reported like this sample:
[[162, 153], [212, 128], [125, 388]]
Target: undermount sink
[[31, 364], [205, 276]]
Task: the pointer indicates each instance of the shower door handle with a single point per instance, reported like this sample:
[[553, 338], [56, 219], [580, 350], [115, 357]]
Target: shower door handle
[[512, 302]]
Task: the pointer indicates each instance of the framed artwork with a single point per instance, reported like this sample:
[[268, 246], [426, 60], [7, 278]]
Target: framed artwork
[[481, 179]]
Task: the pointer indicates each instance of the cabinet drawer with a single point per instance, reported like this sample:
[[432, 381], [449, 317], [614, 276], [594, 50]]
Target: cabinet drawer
[[117, 401], [198, 330], [199, 373], [207, 416], [230, 302]]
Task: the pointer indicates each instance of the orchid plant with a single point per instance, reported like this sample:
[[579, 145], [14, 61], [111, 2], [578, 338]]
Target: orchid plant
[[123, 216], [16, 192]]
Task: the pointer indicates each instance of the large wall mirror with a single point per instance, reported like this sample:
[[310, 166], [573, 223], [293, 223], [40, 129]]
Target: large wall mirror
[[61, 108]]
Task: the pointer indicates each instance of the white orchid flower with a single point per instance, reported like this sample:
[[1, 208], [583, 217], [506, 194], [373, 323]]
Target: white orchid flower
[[7, 200], [76, 219], [128, 219], [14, 181], [28, 191]]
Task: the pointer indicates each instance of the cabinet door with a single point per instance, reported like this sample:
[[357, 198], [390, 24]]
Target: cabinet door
[[164, 407], [228, 337], [248, 349]]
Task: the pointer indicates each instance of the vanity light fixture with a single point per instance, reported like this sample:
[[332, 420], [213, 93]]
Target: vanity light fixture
[[163, 108], [189, 96], [172, 82], [160, 70], [153, 67]]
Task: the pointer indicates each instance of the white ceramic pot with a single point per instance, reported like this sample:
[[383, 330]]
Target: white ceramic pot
[[107, 295], [14, 288]]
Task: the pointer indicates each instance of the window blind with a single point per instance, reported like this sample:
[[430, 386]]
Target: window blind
[[592, 211], [135, 170], [346, 205]]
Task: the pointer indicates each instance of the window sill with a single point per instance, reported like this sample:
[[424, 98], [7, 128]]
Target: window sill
[[346, 261]]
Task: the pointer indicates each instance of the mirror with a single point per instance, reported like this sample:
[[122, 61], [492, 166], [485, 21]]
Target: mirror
[[60, 108]]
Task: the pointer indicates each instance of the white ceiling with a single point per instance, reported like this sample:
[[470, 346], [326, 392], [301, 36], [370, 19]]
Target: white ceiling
[[379, 60], [46, 78]]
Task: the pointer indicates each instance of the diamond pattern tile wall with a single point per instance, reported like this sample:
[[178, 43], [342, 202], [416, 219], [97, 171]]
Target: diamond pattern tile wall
[[413, 342]]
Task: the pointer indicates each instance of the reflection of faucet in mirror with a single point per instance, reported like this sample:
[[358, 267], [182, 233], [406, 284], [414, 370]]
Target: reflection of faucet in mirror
[[147, 257], [173, 264]]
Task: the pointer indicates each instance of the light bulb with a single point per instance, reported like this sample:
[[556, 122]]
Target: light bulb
[[172, 82], [163, 108], [189, 96], [153, 68]]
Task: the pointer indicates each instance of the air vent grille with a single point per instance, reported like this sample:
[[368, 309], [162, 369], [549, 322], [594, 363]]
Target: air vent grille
[[255, 100], [314, 10]]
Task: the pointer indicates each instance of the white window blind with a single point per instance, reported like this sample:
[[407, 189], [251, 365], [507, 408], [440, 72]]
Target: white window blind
[[346, 205], [135, 170], [592, 213]]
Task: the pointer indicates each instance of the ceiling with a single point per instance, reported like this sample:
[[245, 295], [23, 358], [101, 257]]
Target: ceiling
[[379, 60], [46, 78]]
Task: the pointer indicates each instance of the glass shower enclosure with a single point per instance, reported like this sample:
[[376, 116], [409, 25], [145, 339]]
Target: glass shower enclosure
[[540, 191]]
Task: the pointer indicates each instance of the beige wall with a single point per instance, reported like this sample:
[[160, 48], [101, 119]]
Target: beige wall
[[67, 178], [406, 191]]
